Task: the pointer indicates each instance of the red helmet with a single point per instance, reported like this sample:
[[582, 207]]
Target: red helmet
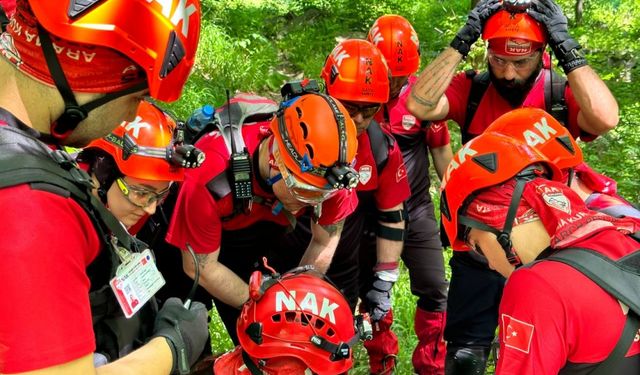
[[298, 315], [314, 133], [356, 71], [539, 129], [513, 33], [160, 36], [485, 161], [398, 41], [140, 147]]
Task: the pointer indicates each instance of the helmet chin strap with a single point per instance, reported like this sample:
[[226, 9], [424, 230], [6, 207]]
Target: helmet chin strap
[[73, 113]]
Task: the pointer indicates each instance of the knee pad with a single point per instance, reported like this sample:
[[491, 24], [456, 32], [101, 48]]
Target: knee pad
[[466, 360]]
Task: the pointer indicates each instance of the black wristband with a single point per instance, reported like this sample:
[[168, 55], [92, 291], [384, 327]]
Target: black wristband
[[461, 46], [570, 55]]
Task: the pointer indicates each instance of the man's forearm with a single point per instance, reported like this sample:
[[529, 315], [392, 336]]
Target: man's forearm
[[389, 251], [217, 279], [425, 99], [154, 358], [441, 158], [598, 108], [323, 244]]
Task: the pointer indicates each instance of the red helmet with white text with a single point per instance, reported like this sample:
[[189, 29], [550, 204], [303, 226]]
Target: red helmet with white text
[[356, 71], [298, 315], [398, 41]]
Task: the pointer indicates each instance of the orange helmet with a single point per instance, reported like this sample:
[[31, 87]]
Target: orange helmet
[[160, 36], [317, 141], [356, 71], [398, 42], [485, 161], [298, 315], [513, 33], [539, 129], [141, 148]]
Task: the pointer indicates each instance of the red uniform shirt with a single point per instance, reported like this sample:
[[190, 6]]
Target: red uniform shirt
[[553, 317], [46, 243], [396, 119], [198, 215], [390, 186], [492, 105]]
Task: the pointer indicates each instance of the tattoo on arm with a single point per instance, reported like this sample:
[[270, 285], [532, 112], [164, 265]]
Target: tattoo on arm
[[203, 260], [434, 80], [333, 229]]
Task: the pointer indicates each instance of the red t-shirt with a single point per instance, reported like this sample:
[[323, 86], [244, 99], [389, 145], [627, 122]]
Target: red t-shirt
[[47, 241], [390, 186], [198, 215], [552, 316], [492, 105], [396, 119]]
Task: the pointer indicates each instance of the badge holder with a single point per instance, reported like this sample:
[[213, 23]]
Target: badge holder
[[137, 279]]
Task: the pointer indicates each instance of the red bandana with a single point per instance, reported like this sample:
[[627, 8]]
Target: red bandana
[[87, 68], [513, 46], [564, 215]]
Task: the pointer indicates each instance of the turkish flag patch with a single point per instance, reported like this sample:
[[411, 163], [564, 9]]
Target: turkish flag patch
[[516, 334]]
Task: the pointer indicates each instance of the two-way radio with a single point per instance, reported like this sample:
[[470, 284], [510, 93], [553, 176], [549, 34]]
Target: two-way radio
[[240, 172]]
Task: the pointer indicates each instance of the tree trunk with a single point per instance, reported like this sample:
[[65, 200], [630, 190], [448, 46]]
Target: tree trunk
[[579, 11]]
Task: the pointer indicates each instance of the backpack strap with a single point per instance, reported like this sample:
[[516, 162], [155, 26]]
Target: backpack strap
[[479, 85], [554, 102], [380, 144], [621, 279]]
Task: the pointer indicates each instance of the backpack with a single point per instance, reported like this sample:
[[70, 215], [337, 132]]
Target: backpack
[[26, 160], [554, 88], [619, 278]]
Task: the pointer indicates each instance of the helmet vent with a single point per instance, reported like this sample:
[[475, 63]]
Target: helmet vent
[[305, 130], [330, 332], [566, 143], [487, 161], [290, 316], [299, 112], [319, 323], [309, 151], [305, 319], [77, 7], [174, 54], [276, 318]]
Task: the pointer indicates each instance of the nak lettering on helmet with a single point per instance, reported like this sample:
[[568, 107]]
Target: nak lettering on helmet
[[459, 158], [540, 134], [286, 301], [339, 54], [181, 13], [136, 125]]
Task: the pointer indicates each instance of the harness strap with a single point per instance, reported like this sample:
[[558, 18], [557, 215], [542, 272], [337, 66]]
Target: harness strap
[[620, 279]]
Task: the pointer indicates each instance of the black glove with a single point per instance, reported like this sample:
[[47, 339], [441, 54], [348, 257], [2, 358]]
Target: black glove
[[378, 299], [186, 331], [471, 31], [566, 49]]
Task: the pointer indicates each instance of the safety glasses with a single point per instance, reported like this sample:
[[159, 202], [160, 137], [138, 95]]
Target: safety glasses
[[141, 197], [300, 190], [518, 65], [365, 110]]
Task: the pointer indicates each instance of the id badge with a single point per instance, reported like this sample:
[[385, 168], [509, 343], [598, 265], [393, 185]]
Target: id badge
[[136, 281]]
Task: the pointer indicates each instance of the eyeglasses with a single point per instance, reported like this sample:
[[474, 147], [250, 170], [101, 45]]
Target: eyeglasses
[[301, 191], [140, 197], [366, 110], [518, 65]]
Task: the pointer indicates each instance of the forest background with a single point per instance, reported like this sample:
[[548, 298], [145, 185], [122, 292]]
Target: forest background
[[257, 45]]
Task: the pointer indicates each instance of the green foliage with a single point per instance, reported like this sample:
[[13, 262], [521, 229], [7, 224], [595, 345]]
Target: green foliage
[[256, 45]]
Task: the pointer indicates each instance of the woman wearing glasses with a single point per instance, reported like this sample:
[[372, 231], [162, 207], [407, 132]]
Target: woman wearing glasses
[[133, 169], [130, 165]]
